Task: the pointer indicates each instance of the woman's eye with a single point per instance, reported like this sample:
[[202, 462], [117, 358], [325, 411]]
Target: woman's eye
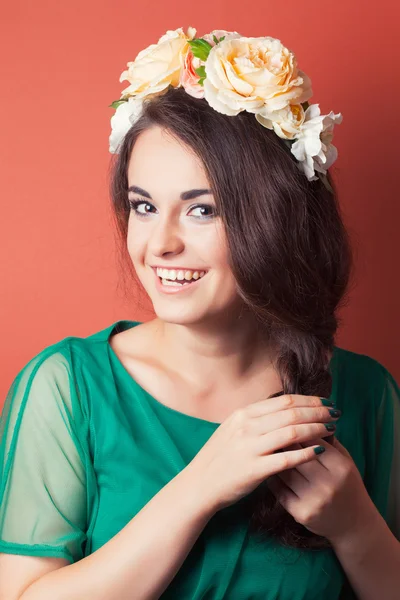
[[134, 204], [202, 208], [205, 211]]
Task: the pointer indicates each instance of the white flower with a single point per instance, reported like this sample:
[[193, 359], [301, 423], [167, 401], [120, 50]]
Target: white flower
[[313, 148], [122, 120]]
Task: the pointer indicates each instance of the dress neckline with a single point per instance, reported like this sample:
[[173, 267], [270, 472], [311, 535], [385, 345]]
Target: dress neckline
[[124, 325]]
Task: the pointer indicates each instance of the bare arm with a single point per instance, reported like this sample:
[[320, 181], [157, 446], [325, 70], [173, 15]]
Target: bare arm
[[141, 560], [371, 559]]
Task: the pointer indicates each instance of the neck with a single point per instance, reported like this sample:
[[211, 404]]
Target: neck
[[219, 354]]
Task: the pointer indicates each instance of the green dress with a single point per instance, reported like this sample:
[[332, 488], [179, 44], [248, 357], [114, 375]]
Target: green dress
[[83, 447]]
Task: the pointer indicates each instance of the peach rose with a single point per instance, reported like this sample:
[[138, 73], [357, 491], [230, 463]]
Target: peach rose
[[157, 66], [285, 122], [252, 73], [189, 77]]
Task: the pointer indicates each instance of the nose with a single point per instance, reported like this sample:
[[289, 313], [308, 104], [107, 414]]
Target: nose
[[165, 238]]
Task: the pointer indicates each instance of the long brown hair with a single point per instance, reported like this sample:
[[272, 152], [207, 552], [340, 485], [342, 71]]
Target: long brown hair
[[290, 252]]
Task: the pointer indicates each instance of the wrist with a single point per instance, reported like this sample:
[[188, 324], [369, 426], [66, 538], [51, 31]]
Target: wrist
[[197, 491], [361, 535]]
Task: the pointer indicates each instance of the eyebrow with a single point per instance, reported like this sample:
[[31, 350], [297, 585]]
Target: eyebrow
[[189, 195]]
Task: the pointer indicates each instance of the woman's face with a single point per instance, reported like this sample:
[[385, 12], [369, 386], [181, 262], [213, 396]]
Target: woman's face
[[172, 233]]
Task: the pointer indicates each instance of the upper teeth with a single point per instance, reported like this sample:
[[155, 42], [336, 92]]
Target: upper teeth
[[173, 274]]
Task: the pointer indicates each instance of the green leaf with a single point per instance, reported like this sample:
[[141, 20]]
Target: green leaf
[[200, 48], [201, 72], [216, 40], [116, 103]]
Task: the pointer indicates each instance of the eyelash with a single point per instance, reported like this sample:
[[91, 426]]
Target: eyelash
[[135, 203]]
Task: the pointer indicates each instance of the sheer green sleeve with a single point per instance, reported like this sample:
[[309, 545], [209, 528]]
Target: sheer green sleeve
[[382, 428], [384, 480], [43, 507], [387, 466]]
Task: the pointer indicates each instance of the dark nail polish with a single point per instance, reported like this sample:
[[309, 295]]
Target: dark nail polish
[[319, 449], [335, 413], [330, 426], [327, 402]]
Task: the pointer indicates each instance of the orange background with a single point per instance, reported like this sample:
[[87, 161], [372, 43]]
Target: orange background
[[61, 63]]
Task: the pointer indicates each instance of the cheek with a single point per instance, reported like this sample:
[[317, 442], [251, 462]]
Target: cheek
[[136, 242], [218, 259], [216, 247]]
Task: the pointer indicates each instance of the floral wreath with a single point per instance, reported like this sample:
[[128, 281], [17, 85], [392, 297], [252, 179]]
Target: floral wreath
[[233, 73]]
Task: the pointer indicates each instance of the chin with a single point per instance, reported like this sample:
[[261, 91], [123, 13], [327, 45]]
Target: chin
[[191, 316], [178, 316]]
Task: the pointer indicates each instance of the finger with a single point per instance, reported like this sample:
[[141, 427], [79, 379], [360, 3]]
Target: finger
[[294, 416], [331, 458], [271, 464], [277, 439], [333, 440], [295, 481], [270, 405], [281, 492], [312, 470]]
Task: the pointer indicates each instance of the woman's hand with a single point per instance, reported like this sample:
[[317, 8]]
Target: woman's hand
[[326, 495], [247, 447]]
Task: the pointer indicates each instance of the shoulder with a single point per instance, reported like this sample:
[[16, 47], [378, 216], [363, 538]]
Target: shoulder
[[50, 364], [42, 394], [356, 362], [360, 375], [136, 343], [369, 398], [65, 353], [57, 366]]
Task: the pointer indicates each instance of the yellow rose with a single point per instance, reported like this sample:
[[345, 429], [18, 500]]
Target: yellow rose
[[252, 73], [157, 66], [286, 122]]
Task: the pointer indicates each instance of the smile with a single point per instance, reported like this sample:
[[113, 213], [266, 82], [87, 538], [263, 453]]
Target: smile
[[173, 281], [179, 276]]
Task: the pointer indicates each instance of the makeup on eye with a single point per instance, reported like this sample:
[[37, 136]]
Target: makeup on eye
[[134, 204]]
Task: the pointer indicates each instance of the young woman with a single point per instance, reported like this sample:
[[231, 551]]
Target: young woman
[[197, 455]]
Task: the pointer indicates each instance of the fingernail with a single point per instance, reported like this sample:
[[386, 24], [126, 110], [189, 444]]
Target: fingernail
[[319, 449], [327, 402], [330, 426], [335, 413]]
